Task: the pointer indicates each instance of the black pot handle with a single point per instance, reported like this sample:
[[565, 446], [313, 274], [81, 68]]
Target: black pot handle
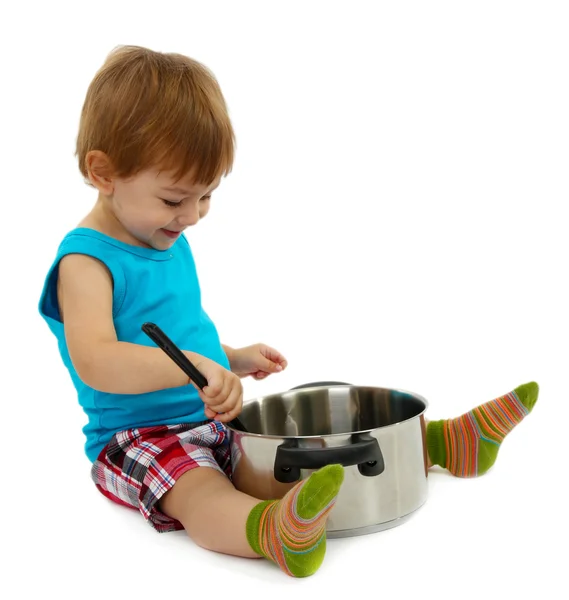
[[364, 451], [319, 384]]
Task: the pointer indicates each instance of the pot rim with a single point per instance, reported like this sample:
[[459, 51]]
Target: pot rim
[[331, 435]]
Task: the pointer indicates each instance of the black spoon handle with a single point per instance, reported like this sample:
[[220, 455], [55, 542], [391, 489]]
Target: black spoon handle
[[167, 345]]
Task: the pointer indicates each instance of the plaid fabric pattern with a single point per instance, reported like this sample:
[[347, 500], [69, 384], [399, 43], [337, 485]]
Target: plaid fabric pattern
[[138, 466]]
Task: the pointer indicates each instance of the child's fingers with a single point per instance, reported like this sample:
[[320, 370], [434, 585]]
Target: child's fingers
[[275, 358], [228, 415], [233, 401], [214, 387], [266, 363], [229, 382]]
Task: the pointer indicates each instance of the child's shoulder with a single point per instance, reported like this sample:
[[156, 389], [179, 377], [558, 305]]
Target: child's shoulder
[[90, 239], [107, 249], [85, 236]]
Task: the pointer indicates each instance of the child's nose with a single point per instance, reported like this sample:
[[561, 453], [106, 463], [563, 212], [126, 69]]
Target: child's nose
[[189, 217]]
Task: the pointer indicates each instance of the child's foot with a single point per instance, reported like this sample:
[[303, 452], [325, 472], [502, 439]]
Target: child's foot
[[292, 531], [468, 445]]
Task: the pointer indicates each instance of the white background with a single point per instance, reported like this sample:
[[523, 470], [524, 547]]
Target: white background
[[396, 217]]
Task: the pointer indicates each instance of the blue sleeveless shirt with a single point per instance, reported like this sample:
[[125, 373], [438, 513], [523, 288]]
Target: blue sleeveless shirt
[[148, 285]]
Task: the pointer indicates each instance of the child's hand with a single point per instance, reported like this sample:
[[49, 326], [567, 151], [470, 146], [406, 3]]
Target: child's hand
[[223, 395], [258, 361]]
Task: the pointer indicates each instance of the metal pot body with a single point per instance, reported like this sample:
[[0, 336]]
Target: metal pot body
[[378, 434]]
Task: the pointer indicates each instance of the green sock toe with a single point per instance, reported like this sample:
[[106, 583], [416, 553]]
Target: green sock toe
[[528, 393], [318, 491]]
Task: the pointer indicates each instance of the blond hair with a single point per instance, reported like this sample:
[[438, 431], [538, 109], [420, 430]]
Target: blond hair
[[147, 109]]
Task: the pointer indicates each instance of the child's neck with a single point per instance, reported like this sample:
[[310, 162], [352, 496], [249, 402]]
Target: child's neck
[[102, 219]]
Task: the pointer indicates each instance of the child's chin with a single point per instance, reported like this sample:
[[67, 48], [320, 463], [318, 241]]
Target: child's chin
[[161, 242]]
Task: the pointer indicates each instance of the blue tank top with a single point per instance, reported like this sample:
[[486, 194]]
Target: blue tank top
[[148, 285]]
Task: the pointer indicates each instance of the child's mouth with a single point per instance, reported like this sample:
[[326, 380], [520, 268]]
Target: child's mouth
[[171, 234]]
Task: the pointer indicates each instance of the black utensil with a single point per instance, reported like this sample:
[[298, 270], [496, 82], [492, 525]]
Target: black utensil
[[167, 345]]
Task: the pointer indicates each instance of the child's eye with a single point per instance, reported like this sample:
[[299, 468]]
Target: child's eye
[[170, 202], [205, 198]]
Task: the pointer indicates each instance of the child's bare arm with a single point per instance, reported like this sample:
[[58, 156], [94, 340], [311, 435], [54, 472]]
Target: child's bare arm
[[85, 293]]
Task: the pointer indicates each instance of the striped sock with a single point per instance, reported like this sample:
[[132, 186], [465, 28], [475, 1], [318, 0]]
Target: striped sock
[[292, 531], [468, 445]]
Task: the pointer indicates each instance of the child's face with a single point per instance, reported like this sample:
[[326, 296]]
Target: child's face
[[154, 208]]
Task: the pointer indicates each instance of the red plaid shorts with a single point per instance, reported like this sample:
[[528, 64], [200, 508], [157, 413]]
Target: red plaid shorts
[[138, 466]]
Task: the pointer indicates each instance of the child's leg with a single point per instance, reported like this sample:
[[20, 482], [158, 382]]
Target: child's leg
[[211, 510], [468, 445], [290, 532], [177, 477]]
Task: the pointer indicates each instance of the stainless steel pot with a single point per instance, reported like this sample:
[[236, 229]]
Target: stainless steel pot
[[378, 434]]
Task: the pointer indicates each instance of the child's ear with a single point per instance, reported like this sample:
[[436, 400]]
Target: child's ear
[[99, 171]]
